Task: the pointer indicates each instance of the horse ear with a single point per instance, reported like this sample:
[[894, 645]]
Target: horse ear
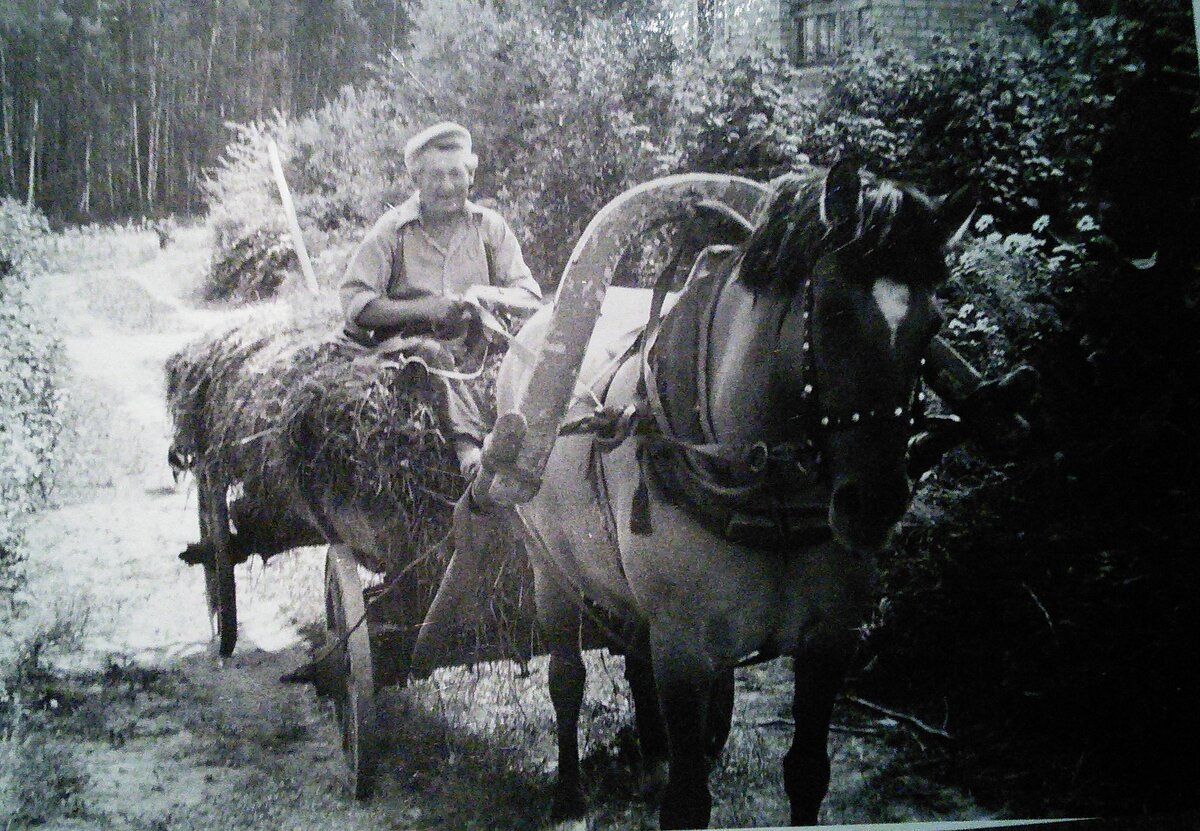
[[953, 214], [841, 198]]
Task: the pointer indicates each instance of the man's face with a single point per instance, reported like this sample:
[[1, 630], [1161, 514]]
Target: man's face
[[444, 181]]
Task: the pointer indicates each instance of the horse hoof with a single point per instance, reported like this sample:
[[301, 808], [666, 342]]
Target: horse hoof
[[568, 804]]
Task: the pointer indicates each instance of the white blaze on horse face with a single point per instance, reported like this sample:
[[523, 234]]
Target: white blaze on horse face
[[892, 299]]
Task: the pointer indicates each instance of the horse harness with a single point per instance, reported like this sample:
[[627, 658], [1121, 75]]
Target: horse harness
[[766, 495]]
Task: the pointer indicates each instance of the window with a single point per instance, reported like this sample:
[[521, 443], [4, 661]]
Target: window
[[825, 30]]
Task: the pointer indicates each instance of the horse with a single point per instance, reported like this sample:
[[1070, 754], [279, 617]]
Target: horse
[[760, 473]]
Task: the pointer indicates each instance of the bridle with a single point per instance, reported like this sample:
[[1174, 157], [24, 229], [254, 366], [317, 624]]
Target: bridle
[[821, 421], [796, 458]]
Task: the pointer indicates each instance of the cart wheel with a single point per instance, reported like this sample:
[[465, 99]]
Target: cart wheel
[[219, 582], [354, 692]]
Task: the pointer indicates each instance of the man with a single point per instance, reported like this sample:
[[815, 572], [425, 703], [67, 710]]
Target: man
[[411, 271]]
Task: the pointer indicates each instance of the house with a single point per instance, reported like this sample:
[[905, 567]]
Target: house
[[815, 32]]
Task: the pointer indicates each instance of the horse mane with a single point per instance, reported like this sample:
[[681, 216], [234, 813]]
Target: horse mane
[[790, 234]]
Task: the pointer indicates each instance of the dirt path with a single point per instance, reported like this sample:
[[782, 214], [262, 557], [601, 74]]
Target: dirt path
[[171, 738]]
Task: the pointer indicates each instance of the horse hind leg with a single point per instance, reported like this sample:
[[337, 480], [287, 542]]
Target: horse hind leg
[[818, 677], [560, 622]]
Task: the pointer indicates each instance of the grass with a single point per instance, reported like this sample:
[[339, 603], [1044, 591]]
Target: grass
[[94, 247], [42, 776]]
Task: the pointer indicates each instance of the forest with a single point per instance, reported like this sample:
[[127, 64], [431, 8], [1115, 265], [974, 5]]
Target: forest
[[114, 108]]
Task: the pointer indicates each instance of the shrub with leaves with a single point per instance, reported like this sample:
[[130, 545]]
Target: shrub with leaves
[[1019, 117], [1042, 602], [252, 268], [240, 189], [733, 112], [29, 398], [346, 163], [42, 776]]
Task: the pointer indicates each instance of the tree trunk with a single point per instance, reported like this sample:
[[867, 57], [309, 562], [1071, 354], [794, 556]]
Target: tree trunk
[[33, 136], [6, 122], [1196, 23], [137, 153], [212, 46], [112, 190], [155, 118], [85, 198]]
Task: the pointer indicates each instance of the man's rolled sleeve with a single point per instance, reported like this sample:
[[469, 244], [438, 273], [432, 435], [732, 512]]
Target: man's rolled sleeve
[[511, 270], [369, 271]]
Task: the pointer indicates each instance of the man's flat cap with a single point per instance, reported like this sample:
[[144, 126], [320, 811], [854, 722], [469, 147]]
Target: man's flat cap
[[445, 135]]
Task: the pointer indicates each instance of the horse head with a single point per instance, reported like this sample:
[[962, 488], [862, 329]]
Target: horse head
[[855, 260]]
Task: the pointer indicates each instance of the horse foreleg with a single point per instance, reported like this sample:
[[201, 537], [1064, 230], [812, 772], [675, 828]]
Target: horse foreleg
[[720, 714], [684, 679], [818, 677], [567, 679], [651, 730]]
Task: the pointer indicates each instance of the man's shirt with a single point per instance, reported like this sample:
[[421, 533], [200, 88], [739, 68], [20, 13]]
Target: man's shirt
[[397, 254]]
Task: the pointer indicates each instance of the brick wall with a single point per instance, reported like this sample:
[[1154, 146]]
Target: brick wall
[[914, 23], [910, 23]]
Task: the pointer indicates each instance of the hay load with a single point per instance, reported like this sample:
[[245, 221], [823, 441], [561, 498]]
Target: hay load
[[317, 441], [225, 393]]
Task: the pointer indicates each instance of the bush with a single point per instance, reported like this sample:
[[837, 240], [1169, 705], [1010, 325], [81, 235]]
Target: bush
[[251, 268], [1042, 602], [346, 166], [1020, 119], [29, 399], [733, 113], [42, 776], [240, 190]]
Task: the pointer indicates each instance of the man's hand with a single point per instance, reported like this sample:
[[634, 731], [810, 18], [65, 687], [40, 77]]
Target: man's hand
[[449, 316], [446, 317]]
